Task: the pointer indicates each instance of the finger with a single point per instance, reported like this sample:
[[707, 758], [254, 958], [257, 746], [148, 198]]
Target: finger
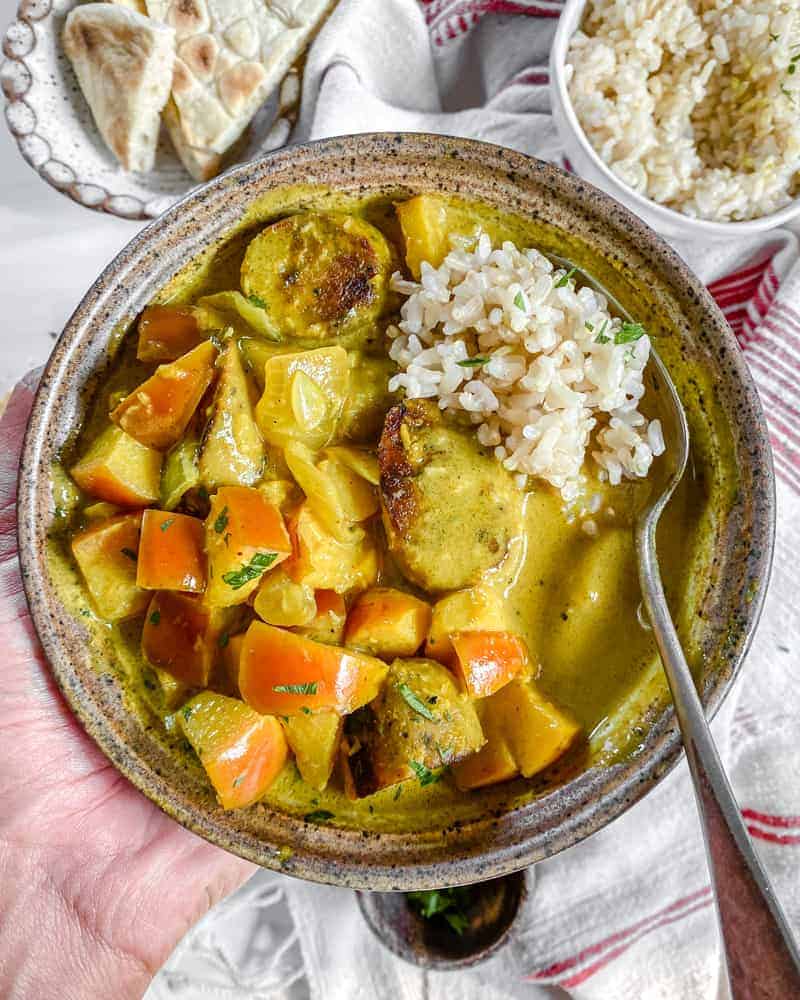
[[12, 431]]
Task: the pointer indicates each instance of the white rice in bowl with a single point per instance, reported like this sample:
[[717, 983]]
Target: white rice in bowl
[[694, 104], [544, 371]]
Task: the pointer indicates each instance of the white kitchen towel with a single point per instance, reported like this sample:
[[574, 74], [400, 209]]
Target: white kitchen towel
[[626, 915]]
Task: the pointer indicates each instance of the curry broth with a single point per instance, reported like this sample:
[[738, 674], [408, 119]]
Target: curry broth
[[573, 597]]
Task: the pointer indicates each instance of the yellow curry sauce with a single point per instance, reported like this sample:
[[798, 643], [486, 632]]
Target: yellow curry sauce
[[573, 598]]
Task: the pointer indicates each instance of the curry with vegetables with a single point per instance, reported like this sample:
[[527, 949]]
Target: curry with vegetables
[[332, 598]]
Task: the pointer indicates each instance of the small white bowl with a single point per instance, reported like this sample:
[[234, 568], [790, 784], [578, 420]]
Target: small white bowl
[[589, 165]]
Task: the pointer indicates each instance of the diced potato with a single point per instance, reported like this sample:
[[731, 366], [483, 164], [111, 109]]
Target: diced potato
[[166, 333], [106, 554], [486, 661], [101, 511], [245, 536], [181, 636], [173, 691], [338, 496], [231, 655], [242, 752], [284, 494], [120, 470], [284, 673], [387, 623], [328, 623], [181, 472], [281, 601], [323, 562], [357, 497], [368, 398], [256, 352], [251, 310], [364, 463], [521, 723], [232, 452], [171, 553], [314, 740], [419, 721], [423, 220], [306, 410], [478, 608], [159, 410]]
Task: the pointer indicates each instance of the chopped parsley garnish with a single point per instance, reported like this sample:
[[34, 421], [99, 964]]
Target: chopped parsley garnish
[[260, 562], [398, 792], [238, 780], [318, 816], [589, 326], [475, 362], [165, 525], [450, 904], [519, 301], [305, 710], [155, 617], [562, 281], [310, 687], [256, 300], [773, 38], [629, 332], [221, 522], [601, 337], [424, 774], [186, 711], [130, 554], [414, 702], [223, 640], [202, 492]]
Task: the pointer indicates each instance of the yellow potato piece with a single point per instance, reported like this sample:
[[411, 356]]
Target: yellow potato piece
[[314, 740], [477, 608], [423, 220]]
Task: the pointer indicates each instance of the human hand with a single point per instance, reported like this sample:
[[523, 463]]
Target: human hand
[[97, 885]]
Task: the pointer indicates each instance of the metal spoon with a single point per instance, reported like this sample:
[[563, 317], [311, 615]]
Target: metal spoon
[[761, 954]]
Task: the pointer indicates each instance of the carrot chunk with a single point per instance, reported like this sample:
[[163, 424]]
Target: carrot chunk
[[245, 536], [180, 635], [166, 333], [171, 553], [118, 469], [283, 673], [487, 661], [159, 410], [107, 554], [242, 752], [388, 623]]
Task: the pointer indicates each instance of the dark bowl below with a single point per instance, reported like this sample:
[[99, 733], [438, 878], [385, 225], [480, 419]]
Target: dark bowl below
[[637, 267]]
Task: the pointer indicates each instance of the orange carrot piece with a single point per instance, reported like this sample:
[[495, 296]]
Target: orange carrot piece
[[242, 752], [180, 636], [282, 673], [107, 554], [171, 553], [388, 623], [166, 333], [245, 536], [159, 410], [489, 660]]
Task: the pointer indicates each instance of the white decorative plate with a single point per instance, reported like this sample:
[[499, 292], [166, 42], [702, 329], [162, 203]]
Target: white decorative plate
[[55, 132]]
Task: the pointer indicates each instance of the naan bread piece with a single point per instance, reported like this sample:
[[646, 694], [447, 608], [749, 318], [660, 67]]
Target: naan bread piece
[[123, 61], [231, 54]]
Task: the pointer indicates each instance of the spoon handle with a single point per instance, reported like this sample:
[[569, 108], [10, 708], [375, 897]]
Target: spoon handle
[[762, 955]]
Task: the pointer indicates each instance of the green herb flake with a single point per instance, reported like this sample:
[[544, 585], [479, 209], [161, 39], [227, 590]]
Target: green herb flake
[[519, 301], [424, 775], [155, 617], [475, 362], [223, 640], [309, 687], [773, 38], [589, 326], [202, 492], [238, 780], [601, 337], [319, 816], [629, 332], [457, 921], [186, 711], [260, 562], [450, 904], [414, 702], [398, 792], [305, 710], [130, 554], [86, 612], [256, 300], [166, 525], [562, 281], [221, 522]]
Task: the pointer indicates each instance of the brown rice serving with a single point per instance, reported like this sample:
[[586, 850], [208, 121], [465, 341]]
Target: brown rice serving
[[544, 371]]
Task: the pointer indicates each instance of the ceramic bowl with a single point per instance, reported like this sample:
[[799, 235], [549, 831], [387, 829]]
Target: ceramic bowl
[[513, 826], [54, 130], [589, 165]]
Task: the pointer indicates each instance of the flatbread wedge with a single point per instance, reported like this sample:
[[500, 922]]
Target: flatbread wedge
[[124, 63], [231, 54]]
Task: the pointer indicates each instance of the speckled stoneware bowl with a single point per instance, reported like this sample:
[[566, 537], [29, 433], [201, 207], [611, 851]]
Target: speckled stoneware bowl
[[645, 275]]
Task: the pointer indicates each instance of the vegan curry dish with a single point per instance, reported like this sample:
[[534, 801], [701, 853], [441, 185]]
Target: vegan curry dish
[[333, 596]]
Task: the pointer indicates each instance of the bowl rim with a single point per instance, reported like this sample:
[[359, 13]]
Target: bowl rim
[[568, 23], [330, 854]]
